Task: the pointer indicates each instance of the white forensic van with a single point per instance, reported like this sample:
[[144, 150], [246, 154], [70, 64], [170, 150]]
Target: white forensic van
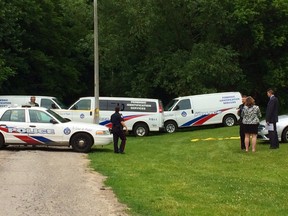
[[19, 100], [141, 115], [204, 109]]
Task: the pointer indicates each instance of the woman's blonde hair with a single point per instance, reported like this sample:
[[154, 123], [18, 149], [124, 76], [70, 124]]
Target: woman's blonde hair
[[249, 101]]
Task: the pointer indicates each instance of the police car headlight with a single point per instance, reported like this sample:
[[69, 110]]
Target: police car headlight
[[102, 132]]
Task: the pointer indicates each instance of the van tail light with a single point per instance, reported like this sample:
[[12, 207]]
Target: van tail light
[[160, 107]]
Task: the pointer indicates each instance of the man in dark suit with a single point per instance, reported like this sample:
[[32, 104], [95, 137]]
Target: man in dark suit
[[272, 118]]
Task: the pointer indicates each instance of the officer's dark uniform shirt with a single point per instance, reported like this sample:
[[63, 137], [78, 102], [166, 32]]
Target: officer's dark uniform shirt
[[116, 121]]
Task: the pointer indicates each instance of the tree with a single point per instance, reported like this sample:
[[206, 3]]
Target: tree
[[9, 40], [51, 32]]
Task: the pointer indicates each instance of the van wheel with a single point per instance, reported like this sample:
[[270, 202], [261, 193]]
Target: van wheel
[[140, 129], [81, 142], [285, 135], [229, 120], [170, 126]]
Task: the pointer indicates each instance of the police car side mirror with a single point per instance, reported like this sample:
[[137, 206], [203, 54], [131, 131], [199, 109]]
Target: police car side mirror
[[176, 107], [53, 121]]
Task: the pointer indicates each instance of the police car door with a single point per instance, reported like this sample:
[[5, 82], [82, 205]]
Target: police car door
[[13, 126], [82, 111], [42, 130], [184, 113]]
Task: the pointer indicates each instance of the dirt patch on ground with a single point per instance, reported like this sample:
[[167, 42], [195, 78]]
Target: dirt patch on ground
[[53, 181]]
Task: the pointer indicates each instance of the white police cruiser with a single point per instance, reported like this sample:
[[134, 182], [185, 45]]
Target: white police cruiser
[[41, 126]]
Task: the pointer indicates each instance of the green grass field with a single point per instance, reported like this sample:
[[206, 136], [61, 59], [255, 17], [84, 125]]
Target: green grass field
[[196, 172]]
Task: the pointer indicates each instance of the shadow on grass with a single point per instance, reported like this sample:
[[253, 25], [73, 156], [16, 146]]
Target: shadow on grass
[[181, 130], [98, 150], [37, 148]]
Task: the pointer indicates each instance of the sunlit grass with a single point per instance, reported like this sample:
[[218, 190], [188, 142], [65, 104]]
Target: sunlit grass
[[169, 174]]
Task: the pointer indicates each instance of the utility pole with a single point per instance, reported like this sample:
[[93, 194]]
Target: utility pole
[[96, 65]]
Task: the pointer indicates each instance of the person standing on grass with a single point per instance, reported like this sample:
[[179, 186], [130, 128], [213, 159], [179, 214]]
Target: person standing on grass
[[117, 129], [272, 119], [241, 127], [251, 115]]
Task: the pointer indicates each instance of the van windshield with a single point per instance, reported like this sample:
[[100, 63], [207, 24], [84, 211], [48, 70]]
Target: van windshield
[[60, 103], [170, 105]]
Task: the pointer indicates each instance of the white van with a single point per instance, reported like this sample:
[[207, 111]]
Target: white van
[[202, 109], [20, 100], [141, 115]]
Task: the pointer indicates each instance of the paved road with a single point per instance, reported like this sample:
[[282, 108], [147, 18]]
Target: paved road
[[54, 182]]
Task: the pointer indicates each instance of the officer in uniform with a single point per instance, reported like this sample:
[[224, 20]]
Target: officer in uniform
[[117, 129]]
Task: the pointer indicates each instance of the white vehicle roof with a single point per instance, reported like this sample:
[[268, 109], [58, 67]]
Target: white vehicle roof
[[205, 95], [121, 98]]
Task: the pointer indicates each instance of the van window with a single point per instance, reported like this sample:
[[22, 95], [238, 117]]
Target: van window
[[132, 106], [170, 105], [183, 105], [47, 103], [103, 104], [112, 104], [57, 101], [84, 104]]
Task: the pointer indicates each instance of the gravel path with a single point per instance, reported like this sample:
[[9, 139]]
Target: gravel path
[[56, 182]]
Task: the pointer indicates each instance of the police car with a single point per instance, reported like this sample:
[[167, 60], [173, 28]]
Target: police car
[[282, 129], [41, 126]]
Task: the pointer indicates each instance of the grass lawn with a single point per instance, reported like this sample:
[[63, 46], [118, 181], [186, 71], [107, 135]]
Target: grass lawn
[[196, 172]]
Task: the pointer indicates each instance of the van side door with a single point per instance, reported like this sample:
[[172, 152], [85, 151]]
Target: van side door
[[184, 113]]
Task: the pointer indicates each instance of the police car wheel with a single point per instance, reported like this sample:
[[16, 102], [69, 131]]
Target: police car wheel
[[141, 129], [2, 143], [284, 137], [170, 126], [229, 120], [81, 142]]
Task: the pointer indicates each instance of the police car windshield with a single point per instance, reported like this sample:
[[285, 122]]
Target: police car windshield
[[58, 117], [170, 105]]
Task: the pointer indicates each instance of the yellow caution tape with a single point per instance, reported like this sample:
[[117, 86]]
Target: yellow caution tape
[[210, 138]]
